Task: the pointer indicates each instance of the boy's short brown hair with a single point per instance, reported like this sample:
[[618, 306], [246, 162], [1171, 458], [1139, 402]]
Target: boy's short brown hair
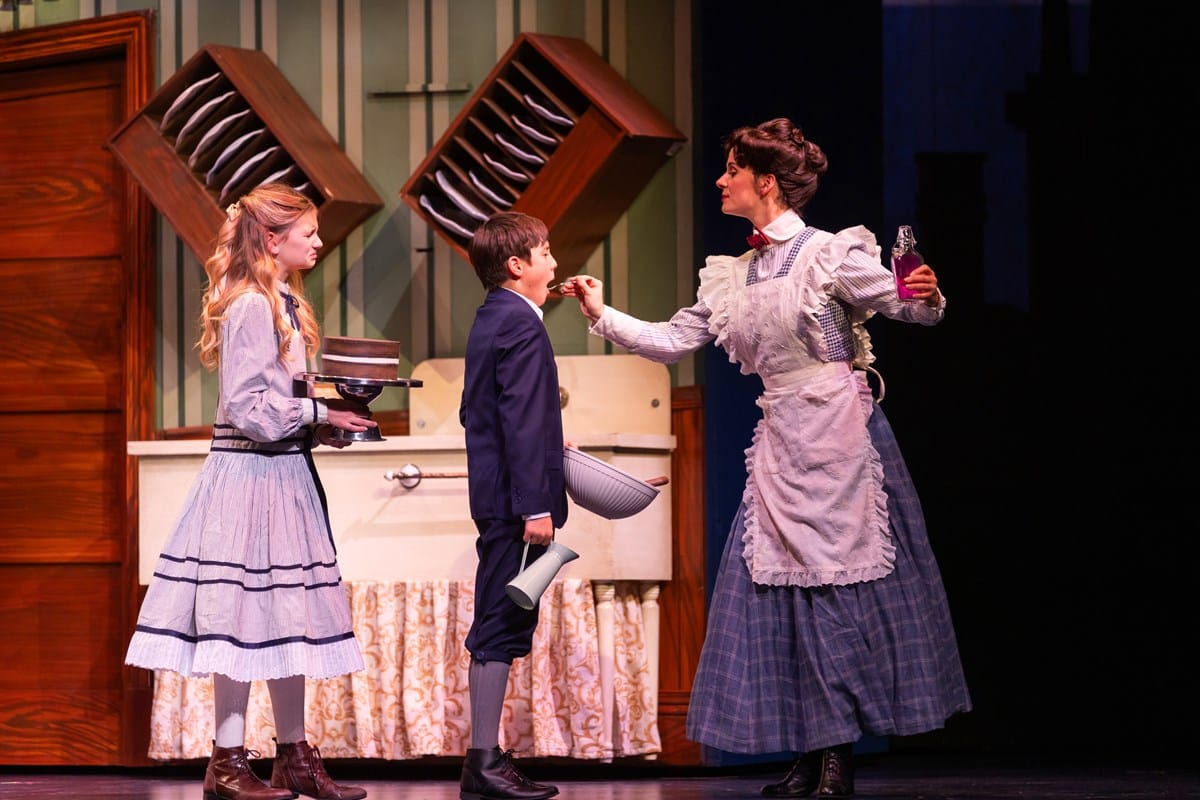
[[501, 236]]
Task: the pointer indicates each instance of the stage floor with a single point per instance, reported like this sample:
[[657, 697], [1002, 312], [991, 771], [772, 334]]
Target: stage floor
[[878, 777]]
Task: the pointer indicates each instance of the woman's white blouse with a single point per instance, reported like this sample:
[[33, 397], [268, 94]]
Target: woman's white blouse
[[816, 512]]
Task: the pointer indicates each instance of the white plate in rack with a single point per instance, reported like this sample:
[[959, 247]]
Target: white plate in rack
[[283, 176], [244, 171], [530, 158], [532, 132], [445, 221], [213, 135], [229, 153], [545, 113], [196, 121], [176, 109], [504, 169], [457, 198], [487, 192]]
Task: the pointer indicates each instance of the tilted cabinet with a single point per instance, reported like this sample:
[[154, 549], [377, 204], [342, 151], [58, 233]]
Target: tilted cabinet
[[225, 122], [553, 131]]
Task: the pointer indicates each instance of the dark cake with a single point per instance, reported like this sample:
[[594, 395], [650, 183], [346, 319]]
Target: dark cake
[[347, 357]]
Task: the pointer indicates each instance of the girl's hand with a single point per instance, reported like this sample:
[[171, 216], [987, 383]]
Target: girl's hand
[[326, 435], [349, 415]]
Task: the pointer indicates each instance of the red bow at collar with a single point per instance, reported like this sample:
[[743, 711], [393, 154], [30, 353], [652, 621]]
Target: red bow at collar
[[757, 240]]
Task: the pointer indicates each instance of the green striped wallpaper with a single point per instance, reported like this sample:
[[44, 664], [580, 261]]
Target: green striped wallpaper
[[393, 277]]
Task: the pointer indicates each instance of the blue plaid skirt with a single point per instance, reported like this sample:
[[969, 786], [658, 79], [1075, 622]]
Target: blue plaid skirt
[[795, 669]]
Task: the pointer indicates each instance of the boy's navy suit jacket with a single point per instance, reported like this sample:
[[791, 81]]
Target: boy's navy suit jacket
[[511, 412]]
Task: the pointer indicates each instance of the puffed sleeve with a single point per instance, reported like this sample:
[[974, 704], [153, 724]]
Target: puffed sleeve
[[848, 266], [251, 375], [853, 260]]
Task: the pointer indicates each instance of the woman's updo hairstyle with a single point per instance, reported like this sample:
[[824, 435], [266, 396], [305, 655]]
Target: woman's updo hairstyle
[[777, 147]]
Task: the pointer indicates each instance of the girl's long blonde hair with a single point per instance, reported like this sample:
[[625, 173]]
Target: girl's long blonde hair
[[241, 263]]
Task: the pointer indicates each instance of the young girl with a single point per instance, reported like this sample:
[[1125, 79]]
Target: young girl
[[247, 586]]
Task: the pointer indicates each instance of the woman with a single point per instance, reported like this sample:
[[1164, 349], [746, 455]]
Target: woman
[[828, 618], [247, 586]]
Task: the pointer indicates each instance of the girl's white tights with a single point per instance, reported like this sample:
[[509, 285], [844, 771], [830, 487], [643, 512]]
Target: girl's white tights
[[230, 699]]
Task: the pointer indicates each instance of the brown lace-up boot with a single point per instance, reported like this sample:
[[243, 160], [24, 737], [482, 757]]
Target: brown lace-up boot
[[229, 777], [298, 767], [837, 772]]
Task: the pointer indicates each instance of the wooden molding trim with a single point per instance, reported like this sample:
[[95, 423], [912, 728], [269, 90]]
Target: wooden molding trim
[[682, 601]]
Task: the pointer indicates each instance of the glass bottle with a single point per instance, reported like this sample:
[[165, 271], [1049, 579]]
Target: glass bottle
[[905, 259]]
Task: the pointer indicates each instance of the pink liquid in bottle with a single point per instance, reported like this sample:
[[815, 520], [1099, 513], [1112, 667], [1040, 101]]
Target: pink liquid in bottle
[[905, 259]]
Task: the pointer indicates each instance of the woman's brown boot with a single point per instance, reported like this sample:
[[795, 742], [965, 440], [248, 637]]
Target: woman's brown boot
[[298, 767], [229, 777], [837, 772]]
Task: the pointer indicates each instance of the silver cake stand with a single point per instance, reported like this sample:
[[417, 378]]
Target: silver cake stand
[[363, 390]]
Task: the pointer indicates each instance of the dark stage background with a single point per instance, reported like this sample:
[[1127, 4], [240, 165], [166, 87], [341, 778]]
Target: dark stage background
[[1045, 155]]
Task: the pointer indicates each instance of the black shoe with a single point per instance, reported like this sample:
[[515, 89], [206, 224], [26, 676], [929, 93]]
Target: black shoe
[[837, 772], [492, 775], [801, 780]]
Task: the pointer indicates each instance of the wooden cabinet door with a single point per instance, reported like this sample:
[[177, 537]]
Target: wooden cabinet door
[[76, 383]]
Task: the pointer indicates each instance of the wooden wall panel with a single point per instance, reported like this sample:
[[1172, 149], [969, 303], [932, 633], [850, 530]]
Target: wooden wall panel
[[69, 317], [682, 601], [59, 182], [60, 682], [60, 495], [53, 645], [75, 296]]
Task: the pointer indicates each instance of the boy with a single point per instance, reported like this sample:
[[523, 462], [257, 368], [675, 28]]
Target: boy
[[510, 410]]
